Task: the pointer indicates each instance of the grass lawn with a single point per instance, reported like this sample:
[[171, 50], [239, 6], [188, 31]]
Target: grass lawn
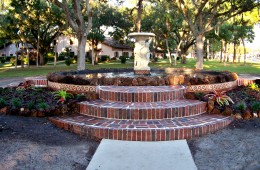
[[7, 72]]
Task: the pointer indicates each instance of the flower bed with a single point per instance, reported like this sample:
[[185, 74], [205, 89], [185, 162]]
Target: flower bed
[[38, 101]]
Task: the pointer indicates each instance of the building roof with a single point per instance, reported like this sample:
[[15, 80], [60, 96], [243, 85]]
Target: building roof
[[116, 44]]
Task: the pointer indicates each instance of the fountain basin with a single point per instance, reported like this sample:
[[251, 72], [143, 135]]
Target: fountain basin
[[195, 81]]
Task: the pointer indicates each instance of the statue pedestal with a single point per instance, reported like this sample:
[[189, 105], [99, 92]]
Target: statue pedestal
[[142, 52]]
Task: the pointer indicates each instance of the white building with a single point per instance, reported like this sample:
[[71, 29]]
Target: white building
[[108, 47]]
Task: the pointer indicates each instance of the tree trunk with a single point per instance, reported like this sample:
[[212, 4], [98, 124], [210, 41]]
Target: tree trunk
[[207, 50], [221, 51], [28, 57], [55, 56], [199, 50], [139, 15], [177, 52], [235, 53], [168, 51], [244, 47], [41, 56], [225, 54], [16, 54], [183, 56], [81, 65], [92, 54]]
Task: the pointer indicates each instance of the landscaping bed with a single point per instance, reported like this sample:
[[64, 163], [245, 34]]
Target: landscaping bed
[[241, 102], [39, 102]]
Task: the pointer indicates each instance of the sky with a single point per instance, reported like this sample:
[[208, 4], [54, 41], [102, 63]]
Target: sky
[[256, 43]]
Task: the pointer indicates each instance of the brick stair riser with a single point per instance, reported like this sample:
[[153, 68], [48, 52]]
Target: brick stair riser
[[143, 113], [141, 96], [142, 134]]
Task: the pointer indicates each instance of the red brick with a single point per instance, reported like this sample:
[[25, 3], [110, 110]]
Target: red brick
[[148, 136], [163, 135], [139, 135]]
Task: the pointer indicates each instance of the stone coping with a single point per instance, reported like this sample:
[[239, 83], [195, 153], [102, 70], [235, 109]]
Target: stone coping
[[192, 88], [212, 87], [71, 87]]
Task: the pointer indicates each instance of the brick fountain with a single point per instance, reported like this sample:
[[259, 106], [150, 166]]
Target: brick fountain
[[141, 113]]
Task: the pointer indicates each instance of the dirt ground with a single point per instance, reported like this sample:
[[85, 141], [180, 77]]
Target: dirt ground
[[34, 143], [233, 148]]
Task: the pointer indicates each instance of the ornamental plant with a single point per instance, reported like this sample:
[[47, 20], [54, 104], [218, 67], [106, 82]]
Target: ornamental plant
[[62, 96], [255, 106], [253, 86], [220, 97], [3, 103], [241, 107]]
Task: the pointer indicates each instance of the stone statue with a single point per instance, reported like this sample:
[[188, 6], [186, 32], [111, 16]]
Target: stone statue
[[142, 52]]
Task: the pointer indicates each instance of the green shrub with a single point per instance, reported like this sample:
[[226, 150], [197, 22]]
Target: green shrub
[[30, 105], [156, 59], [43, 106], [256, 106], [199, 95], [8, 58], [61, 56], [241, 107], [68, 61], [3, 60], [113, 59], [123, 59], [104, 58], [16, 103], [12, 61], [3, 103]]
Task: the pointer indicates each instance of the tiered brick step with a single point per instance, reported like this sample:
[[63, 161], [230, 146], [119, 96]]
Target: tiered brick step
[[140, 93], [142, 130], [143, 111]]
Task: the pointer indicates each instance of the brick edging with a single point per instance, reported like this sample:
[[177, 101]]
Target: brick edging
[[162, 134]]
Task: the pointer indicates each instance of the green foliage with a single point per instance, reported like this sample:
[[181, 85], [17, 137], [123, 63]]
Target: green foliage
[[16, 103], [2, 59], [50, 56], [199, 95], [123, 59], [255, 106], [62, 95], [220, 97], [156, 59], [241, 106], [105, 58], [68, 61], [253, 86], [30, 105], [81, 97], [25, 18], [3, 103], [43, 106]]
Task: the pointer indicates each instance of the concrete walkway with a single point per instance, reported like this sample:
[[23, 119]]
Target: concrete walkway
[[134, 155], [15, 81], [8, 81]]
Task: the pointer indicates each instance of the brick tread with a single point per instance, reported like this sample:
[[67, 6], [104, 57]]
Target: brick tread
[[140, 89], [140, 130], [144, 110], [140, 93]]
